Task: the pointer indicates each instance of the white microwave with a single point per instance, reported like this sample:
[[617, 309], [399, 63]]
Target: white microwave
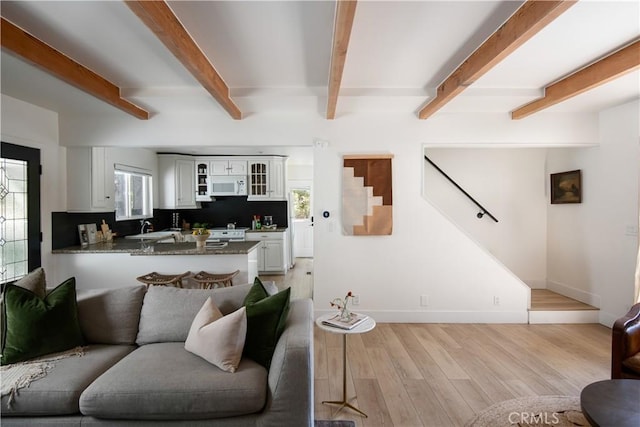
[[228, 185]]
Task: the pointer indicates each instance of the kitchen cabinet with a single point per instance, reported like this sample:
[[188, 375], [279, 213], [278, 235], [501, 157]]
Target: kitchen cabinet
[[90, 180], [267, 178], [177, 182], [272, 252], [228, 167], [202, 181]]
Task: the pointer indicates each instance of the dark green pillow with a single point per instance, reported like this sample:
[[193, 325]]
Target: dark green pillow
[[256, 293], [265, 323], [37, 326]]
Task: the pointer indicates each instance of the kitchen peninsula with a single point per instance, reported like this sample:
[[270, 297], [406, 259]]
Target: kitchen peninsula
[[118, 263]]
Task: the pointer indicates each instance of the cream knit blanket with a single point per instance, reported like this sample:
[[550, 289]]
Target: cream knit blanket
[[19, 375]]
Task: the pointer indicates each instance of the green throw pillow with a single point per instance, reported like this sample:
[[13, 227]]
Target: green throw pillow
[[256, 293], [265, 323], [38, 326]]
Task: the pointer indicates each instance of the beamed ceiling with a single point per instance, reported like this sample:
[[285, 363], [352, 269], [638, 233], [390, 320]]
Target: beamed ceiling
[[328, 58]]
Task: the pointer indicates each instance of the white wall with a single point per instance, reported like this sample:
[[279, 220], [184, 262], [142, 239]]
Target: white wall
[[510, 183], [28, 125], [592, 246], [427, 254]]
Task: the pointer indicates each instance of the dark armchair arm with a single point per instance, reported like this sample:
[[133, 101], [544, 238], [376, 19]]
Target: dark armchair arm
[[625, 340]]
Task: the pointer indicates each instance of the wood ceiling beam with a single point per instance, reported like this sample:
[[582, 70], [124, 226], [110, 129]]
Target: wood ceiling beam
[[52, 61], [161, 20], [527, 21], [611, 67], [345, 12]]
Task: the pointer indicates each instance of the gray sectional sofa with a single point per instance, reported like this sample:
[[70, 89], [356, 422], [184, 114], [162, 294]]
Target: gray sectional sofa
[[135, 369]]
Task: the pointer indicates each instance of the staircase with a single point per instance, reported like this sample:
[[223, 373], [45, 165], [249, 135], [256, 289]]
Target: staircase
[[550, 307]]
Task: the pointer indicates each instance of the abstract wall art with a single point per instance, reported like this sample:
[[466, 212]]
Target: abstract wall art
[[367, 208]]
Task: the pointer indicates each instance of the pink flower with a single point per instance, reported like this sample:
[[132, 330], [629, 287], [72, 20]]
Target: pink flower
[[341, 303]]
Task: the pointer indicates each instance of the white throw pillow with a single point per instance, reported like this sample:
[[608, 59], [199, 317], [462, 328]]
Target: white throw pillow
[[270, 287], [216, 338]]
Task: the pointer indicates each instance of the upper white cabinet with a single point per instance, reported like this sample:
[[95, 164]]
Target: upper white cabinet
[[177, 187], [90, 180], [267, 178], [228, 167]]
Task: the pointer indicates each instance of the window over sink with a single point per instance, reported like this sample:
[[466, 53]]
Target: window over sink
[[133, 193]]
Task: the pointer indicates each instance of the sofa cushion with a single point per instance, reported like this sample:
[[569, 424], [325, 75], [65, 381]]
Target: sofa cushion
[[216, 338], [59, 391], [35, 281], [265, 323], [167, 312], [36, 326], [271, 287], [110, 316], [163, 381]]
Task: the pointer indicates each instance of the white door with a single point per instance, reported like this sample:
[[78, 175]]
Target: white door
[[302, 222]]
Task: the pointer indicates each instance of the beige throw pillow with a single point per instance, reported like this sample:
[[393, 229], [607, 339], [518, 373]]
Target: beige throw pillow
[[216, 338], [35, 282]]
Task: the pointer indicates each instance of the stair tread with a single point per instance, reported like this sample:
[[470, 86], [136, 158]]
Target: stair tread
[[546, 300]]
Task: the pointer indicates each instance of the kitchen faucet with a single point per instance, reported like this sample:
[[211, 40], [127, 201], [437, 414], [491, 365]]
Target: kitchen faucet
[[143, 225]]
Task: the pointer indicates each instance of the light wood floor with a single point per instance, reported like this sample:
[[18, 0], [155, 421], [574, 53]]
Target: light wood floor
[[299, 278], [440, 375], [410, 375]]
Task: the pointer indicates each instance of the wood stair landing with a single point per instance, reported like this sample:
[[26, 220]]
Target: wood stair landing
[[550, 307]]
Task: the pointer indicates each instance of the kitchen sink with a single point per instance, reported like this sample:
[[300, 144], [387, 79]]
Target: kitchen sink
[[158, 236]]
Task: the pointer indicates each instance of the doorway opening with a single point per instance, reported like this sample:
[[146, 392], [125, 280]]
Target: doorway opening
[[302, 222]]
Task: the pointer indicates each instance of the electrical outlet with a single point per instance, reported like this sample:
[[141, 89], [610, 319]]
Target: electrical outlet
[[355, 300], [496, 300], [424, 300]]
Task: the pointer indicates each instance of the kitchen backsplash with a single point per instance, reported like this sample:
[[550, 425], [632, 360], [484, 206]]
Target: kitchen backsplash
[[217, 214], [64, 226], [225, 210]]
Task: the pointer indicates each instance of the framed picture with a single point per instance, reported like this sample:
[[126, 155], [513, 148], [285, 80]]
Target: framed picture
[[84, 235], [566, 187]]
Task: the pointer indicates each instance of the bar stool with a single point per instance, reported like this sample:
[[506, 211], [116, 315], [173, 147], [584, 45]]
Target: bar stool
[[163, 279], [210, 280]]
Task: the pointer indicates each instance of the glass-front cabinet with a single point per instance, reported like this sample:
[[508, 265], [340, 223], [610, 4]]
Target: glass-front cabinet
[[202, 181], [258, 179], [267, 178]]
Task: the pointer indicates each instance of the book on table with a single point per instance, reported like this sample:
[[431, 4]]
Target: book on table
[[336, 322]]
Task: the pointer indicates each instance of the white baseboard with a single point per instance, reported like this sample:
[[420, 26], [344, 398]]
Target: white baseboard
[[536, 284], [577, 294], [389, 316], [608, 319], [575, 316]]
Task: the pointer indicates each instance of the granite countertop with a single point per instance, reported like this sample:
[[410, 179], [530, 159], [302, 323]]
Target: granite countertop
[[262, 230], [136, 248]]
